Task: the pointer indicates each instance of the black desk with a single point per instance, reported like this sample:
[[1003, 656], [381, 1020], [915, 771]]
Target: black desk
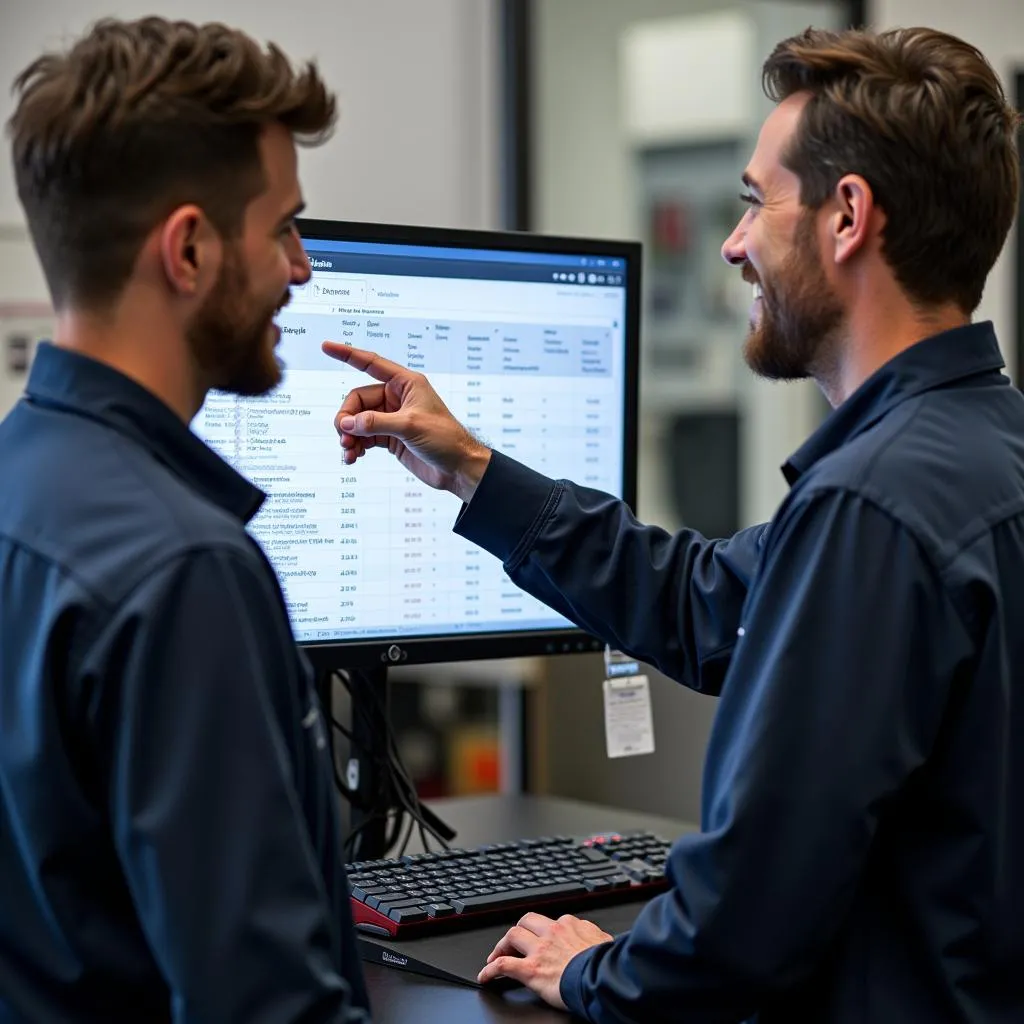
[[398, 997]]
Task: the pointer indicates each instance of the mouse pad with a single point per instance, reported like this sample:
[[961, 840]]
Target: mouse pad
[[459, 956]]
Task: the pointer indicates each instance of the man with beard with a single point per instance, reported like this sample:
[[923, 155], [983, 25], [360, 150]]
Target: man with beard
[[169, 841], [863, 814]]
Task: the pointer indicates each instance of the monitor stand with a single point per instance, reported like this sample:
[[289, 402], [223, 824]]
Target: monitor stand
[[366, 772]]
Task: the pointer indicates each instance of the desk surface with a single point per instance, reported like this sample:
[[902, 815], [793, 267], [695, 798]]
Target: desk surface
[[398, 997]]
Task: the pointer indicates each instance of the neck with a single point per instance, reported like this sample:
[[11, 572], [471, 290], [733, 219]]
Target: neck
[[149, 349], [876, 331]]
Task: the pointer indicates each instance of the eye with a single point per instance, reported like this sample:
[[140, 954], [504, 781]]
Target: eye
[[750, 199]]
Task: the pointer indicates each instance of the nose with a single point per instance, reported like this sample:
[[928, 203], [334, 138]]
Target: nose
[[301, 270], [734, 248]]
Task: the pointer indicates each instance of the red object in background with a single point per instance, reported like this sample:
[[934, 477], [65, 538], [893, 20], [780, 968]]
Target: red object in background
[[484, 767], [670, 227]]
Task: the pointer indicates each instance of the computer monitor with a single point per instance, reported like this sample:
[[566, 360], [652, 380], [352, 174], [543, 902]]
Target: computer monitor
[[532, 342]]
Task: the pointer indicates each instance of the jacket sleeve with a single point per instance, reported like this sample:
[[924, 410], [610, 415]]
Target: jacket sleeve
[[834, 697], [206, 815], [673, 601]]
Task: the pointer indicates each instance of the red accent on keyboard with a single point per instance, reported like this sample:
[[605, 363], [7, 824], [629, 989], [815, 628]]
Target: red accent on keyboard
[[362, 914]]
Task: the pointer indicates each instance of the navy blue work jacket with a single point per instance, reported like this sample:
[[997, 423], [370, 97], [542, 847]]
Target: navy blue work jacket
[[861, 857], [169, 838]]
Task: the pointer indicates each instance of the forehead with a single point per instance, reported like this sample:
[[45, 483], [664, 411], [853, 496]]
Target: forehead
[[280, 165], [778, 129]]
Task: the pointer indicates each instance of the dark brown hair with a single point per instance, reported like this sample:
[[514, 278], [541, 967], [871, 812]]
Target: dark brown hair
[[136, 119], [923, 118]]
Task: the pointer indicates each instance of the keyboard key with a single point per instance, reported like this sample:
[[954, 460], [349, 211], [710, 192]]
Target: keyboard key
[[359, 893], [598, 871], [408, 915], [440, 909], [386, 908], [496, 901], [637, 870]]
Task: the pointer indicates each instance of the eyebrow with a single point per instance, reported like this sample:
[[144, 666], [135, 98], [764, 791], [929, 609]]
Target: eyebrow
[[296, 210], [751, 182]]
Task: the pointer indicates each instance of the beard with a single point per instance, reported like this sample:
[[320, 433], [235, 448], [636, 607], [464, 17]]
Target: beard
[[230, 334], [801, 317]]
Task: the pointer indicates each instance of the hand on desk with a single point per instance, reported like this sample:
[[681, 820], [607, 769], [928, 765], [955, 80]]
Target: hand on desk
[[537, 950], [404, 414]]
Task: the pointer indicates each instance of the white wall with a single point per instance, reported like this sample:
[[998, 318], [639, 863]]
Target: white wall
[[583, 179], [996, 27], [416, 81], [417, 139]]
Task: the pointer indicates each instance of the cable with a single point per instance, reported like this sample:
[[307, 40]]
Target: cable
[[395, 790]]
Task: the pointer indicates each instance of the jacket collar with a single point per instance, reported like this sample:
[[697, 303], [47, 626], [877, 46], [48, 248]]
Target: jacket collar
[[67, 380], [941, 361]]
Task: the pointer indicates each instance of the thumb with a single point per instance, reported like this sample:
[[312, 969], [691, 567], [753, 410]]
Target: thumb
[[365, 424]]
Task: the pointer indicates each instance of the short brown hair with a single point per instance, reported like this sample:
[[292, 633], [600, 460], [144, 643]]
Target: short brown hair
[[923, 118], [136, 119]]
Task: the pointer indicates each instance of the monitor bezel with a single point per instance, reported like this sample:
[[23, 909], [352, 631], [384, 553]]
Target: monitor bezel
[[364, 653]]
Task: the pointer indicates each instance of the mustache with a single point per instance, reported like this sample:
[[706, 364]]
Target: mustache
[[749, 274]]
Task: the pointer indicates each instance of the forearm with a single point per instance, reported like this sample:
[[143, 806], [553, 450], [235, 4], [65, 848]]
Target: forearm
[[673, 600]]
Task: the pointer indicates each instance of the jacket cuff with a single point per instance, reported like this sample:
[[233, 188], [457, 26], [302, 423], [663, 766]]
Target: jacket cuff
[[508, 500], [570, 988]]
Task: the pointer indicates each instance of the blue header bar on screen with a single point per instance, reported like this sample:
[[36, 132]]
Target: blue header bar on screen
[[433, 252]]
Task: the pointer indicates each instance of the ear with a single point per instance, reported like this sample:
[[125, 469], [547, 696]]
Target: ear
[[855, 219], [191, 251]]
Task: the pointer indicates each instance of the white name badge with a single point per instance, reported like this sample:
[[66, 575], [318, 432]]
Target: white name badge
[[628, 723]]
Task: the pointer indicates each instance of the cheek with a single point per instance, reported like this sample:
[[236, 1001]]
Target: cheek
[[755, 245], [286, 264], [271, 275]]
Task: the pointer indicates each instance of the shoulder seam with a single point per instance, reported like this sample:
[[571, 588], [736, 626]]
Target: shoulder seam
[[23, 545], [206, 547], [934, 565]]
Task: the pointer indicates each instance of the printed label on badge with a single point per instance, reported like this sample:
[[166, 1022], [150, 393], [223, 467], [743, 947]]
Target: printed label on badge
[[628, 723]]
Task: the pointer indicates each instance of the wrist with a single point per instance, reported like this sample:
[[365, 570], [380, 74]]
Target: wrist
[[471, 472]]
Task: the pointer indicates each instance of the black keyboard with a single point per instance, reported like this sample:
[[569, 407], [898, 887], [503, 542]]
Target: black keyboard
[[428, 893]]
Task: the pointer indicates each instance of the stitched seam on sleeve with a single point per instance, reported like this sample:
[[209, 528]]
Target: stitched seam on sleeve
[[523, 548]]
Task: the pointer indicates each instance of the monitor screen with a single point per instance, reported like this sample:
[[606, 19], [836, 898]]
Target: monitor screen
[[532, 344]]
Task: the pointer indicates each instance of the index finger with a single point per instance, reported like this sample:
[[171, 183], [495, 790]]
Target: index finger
[[360, 359], [536, 923], [515, 941], [515, 967]]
